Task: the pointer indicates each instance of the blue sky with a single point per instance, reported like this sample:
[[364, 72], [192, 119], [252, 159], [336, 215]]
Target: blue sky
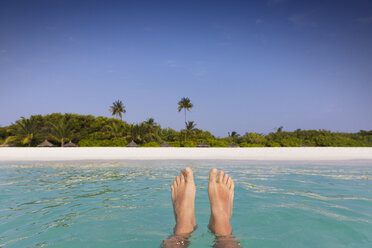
[[246, 65]]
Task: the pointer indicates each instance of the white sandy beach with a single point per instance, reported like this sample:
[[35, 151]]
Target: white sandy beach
[[120, 153]]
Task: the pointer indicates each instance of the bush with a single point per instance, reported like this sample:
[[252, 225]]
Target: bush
[[88, 130], [245, 144], [3, 133], [217, 143], [188, 144], [273, 144], [114, 142], [174, 143], [290, 142], [99, 136], [151, 144], [255, 138]]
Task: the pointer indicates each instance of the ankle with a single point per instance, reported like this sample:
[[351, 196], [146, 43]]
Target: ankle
[[183, 228], [221, 227], [223, 231]]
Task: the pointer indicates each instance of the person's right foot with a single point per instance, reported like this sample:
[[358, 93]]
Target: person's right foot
[[221, 196]]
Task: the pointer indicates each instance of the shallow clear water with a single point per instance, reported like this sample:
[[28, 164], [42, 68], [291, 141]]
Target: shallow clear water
[[127, 204]]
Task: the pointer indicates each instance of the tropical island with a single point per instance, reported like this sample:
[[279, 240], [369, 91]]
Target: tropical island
[[57, 129]]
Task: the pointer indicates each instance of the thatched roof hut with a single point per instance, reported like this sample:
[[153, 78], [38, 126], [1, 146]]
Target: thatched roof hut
[[165, 144], [203, 144], [45, 143], [132, 144], [233, 145], [70, 144]]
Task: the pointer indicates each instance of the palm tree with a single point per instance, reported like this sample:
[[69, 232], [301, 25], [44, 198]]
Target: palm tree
[[150, 125], [135, 132], [8, 140], [150, 122], [27, 129], [61, 130], [185, 104], [190, 126], [115, 129], [152, 130], [234, 134], [117, 109], [279, 129]]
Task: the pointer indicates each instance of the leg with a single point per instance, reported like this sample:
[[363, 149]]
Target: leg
[[183, 199], [221, 196]]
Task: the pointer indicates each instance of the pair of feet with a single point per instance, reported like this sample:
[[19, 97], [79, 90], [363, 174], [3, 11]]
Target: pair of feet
[[221, 195]]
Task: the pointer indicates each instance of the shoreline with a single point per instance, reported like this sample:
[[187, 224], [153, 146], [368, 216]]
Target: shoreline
[[19, 154]]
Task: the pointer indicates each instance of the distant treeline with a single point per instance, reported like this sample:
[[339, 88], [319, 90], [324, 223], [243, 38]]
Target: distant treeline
[[87, 130]]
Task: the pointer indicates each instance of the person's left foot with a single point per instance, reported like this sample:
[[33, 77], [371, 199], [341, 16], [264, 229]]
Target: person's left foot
[[183, 199]]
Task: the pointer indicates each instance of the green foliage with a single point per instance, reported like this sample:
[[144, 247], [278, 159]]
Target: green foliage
[[87, 130], [174, 143], [100, 136], [217, 143], [8, 140], [169, 134], [273, 144], [118, 109], [151, 130], [136, 132], [3, 133], [188, 143], [190, 126], [151, 144], [27, 129], [255, 138], [115, 129], [61, 130], [290, 142], [245, 144], [234, 134], [185, 104], [114, 142]]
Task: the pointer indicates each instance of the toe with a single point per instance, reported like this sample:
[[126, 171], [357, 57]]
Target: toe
[[220, 176], [228, 183], [172, 191], [225, 177], [232, 186], [182, 177], [178, 180], [189, 174], [213, 175]]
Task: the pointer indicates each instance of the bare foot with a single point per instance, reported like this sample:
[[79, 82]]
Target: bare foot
[[183, 199], [221, 196]]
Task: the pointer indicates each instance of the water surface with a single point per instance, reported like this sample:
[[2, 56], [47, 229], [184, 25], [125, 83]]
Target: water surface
[[127, 204]]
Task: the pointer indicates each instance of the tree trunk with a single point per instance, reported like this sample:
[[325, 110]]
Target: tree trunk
[[62, 143]]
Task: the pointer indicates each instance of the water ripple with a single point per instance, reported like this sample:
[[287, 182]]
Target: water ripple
[[90, 204]]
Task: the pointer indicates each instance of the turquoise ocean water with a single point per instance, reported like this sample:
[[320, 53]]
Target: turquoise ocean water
[[127, 204]]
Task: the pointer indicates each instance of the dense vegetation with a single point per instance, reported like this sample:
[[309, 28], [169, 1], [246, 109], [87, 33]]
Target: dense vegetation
[[87, 130]]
